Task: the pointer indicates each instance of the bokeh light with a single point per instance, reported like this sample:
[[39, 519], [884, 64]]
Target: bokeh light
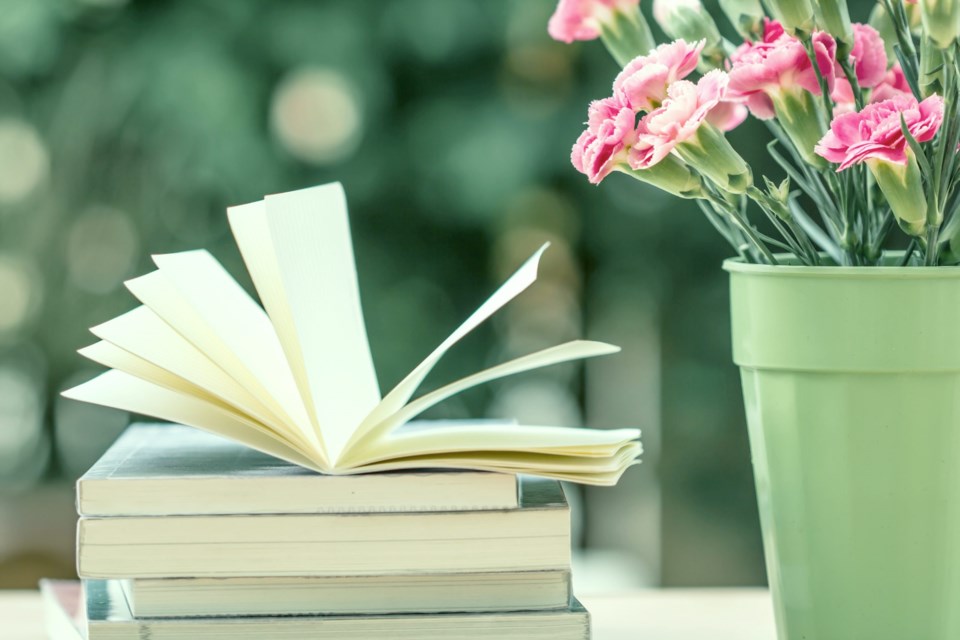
[[24, 161], [316, 115], [24, 445], [21, 292]]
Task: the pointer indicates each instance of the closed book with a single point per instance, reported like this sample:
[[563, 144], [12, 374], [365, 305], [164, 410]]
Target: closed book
[[167, 469], [405, 593], [535, 536], [108, 617]]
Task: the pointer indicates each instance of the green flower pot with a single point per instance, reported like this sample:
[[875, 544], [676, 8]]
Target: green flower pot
[[851, 382]]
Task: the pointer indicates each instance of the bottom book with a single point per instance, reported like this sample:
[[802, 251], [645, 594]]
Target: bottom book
[[99, 611], [348, 595]]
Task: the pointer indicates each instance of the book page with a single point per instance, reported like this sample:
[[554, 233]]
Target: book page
[[196, 296], [142, 333], [110, 355], [604, 471], [401, 394], [574, 350], [298, 249], [122, 391], [466, 436]]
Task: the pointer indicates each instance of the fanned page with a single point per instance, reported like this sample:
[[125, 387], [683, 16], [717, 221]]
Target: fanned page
[[295, 378]]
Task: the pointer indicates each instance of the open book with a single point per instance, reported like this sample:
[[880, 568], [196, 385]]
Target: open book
[[295, 378]]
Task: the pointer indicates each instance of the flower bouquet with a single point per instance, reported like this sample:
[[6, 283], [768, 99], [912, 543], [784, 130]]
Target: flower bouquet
[[856, 121], [844, 283]]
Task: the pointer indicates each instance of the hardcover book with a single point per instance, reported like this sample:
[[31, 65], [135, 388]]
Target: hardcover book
[[295, 378]]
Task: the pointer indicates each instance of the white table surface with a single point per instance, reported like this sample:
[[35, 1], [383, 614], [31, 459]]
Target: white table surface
[[665, 614]]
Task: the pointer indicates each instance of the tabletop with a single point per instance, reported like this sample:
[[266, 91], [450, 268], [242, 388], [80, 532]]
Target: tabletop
[[663, 614]]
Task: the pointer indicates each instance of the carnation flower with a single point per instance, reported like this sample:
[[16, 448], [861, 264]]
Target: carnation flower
[[761, 71], [869, 59], [869, 55], [610, 133], [843, 99], [875, 133], [605, 145], [681, 124], [775, 78], [683, 112], [874, 136], [728, 115], [643, 83], [583, 19], [894, 83]]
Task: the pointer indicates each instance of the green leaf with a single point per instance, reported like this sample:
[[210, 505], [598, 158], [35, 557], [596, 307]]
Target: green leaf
[[915, 147]]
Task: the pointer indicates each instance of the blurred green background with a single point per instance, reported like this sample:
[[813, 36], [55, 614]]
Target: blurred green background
[[126, 128]]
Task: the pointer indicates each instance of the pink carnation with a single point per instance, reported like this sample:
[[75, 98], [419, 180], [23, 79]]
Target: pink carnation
[[760, 70], [643, 82], [875, 133], [683, 112], [582, 19], [727, 115], [869, 59], [869, 56], [610, 133], [842, 96], [894, 83]]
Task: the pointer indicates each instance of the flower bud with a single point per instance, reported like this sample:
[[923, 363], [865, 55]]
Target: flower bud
[[941, 20], [798, 115], [883, 23], [711, 154], [746, 16], [902, 186], [670, 175], [688, 20], [777, 198], [834, 18], [794, 15], [627, 35], [932, 67], [619, 23]]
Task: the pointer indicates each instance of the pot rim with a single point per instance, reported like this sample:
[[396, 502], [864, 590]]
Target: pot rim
[[789, 267]]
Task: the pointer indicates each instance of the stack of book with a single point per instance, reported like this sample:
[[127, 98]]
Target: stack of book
[[185, 534]]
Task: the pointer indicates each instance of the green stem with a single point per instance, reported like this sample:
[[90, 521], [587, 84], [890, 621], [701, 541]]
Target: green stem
[[930, 258], [824, 86], [743, 225], [851, 75], [714, 218], [905, 260]]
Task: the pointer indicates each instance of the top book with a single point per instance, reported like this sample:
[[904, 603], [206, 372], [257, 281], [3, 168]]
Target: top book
[[168, 469], [295, 379]]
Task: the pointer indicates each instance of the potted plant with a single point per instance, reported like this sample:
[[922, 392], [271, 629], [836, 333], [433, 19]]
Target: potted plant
[[849, 353]]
